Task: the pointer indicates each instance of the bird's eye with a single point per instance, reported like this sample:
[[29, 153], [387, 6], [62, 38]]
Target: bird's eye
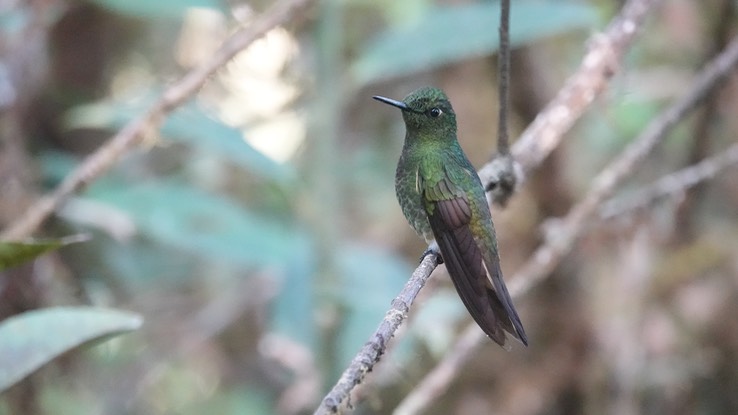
[[435, 112]]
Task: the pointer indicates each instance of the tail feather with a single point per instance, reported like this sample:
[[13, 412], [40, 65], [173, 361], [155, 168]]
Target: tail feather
[[488, 303], [472, 262], [500, 299]]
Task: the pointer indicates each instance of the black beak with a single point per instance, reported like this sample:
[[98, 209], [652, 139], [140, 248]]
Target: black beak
[[399, 104]]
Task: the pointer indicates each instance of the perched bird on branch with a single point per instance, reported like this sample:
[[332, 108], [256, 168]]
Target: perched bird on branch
[[443, 199]]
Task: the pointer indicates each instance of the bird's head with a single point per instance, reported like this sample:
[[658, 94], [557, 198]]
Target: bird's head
[[426, 111]]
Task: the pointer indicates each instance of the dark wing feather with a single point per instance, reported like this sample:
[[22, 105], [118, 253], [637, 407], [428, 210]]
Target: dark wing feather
[[449, 215]]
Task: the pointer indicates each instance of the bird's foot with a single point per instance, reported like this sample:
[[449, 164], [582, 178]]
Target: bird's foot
[[433, 249]]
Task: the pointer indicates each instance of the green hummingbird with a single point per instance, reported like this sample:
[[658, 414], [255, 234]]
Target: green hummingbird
[[443, 200]]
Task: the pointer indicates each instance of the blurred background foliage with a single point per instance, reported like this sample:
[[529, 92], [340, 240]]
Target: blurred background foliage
[[258, 235]]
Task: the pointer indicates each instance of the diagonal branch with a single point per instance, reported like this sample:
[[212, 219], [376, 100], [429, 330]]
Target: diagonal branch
[[678, 182], [135, 131], [539, 139], [560, 241]]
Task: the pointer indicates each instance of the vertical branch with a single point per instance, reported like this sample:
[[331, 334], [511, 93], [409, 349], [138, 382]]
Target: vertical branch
[[503, 74], [502, 182]]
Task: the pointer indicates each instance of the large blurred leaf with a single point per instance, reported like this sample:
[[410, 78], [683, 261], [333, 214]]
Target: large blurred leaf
[[15, 253], [139, 265], [204, 224], [58, 398], [293, 308], [190, 124], [246, 400], [451, 33], [371, 279], [55, 166], [31, 339], [148, 9]]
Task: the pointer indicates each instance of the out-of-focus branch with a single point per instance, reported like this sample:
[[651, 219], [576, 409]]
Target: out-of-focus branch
[[539, 139], [678, 182], [135, 131], [371, 352], [561, 236], [604, 183], [703, 127]]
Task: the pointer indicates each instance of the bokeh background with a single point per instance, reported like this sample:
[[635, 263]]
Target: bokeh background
[[258, 234]]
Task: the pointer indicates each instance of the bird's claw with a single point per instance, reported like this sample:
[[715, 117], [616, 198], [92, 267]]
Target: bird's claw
[[433, 249]]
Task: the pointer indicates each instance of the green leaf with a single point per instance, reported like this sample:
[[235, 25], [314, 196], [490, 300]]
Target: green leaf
[[452, 33], [55, 166], [201, 223], [60, 398], [292, 311], [32, 339], [148, 9], [16, 253], [189, 124], [629, 116], [137, 266], [372, 278]]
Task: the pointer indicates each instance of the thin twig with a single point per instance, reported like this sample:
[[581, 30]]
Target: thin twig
[[560, 240], [135, 131], [676, 183], [598, 66], [503, 69], [502, 184], [372, 351]]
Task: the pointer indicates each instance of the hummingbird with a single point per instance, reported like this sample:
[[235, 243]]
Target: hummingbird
[[442, 198]]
